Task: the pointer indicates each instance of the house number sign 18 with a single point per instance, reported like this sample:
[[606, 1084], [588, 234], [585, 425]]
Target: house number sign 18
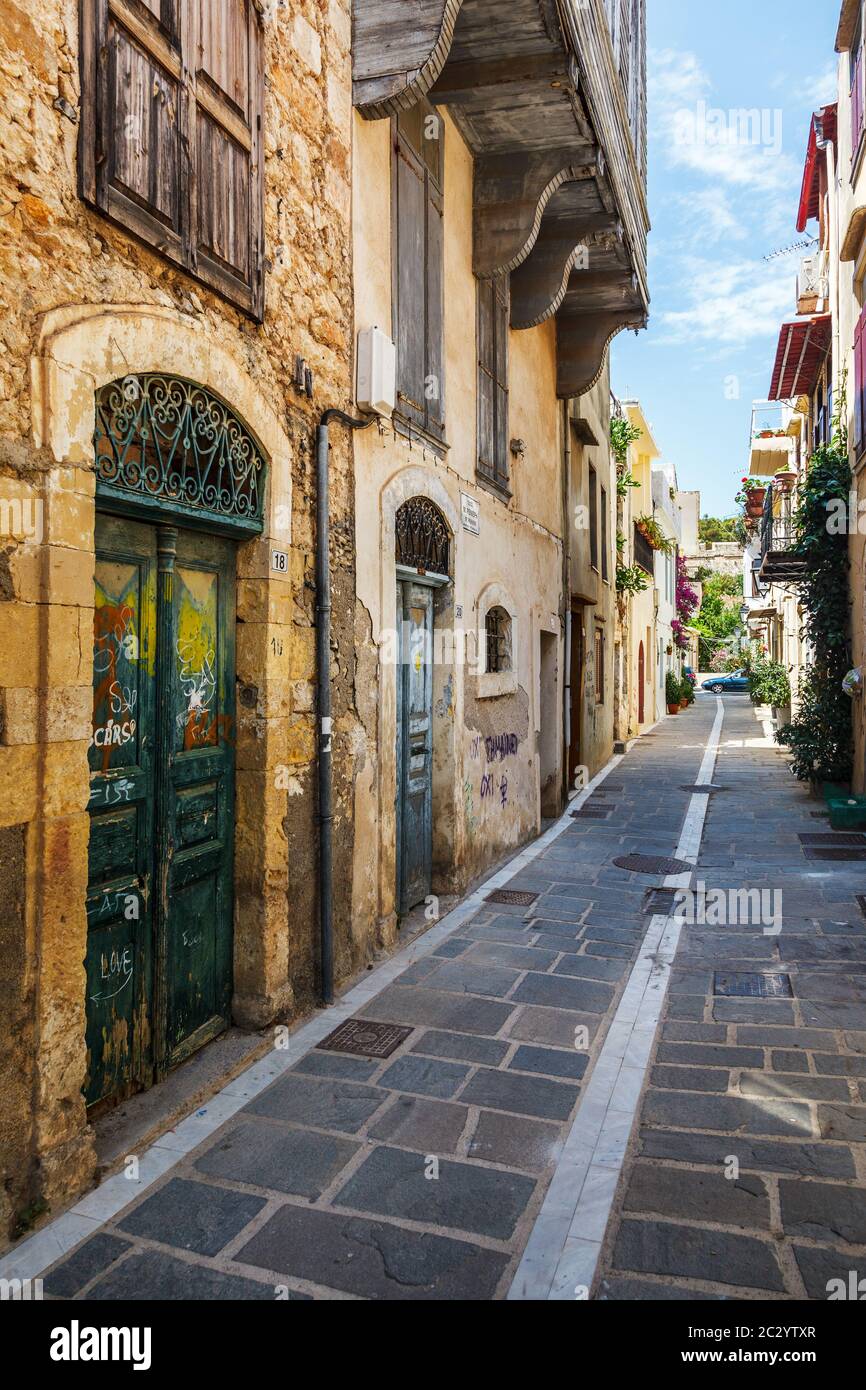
[[280, 561]]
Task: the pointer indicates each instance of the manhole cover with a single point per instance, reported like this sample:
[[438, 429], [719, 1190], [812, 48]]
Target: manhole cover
[[735, 986], [592, 813], [834, 840], [837, 856], [659, 901], [703, 788], [511, 897], [364, 1038], [652, 864]]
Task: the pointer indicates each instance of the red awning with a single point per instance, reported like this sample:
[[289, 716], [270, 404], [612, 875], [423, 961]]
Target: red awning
[[822, 127], [803, 344]]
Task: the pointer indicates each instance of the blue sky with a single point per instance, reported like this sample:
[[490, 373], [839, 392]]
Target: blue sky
[[719, 205]]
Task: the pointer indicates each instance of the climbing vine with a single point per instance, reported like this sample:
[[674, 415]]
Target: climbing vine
[[821, 735], [622, 434]]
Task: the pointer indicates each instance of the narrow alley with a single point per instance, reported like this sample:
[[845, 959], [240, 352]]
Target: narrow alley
[[599, 1086]]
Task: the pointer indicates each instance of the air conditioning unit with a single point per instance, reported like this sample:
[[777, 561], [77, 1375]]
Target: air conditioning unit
[[377, 373]]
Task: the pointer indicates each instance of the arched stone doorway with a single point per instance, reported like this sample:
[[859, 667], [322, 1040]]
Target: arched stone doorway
[[179, 479], [423, 566]]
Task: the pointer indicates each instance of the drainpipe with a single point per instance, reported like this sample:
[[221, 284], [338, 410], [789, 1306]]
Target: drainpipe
[[323, 683]]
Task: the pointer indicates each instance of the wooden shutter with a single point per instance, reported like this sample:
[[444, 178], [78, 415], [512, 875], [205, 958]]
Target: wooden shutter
[[860, 380], [409, 289], [227, 190], [435, 289], [493, 326], [171, 98], [418, 279]]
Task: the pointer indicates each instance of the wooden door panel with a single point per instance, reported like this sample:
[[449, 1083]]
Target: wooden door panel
[[416, 744], [120, 926], [198, 907]]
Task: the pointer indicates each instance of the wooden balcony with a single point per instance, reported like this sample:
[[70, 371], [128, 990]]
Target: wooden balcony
[[556, 121]]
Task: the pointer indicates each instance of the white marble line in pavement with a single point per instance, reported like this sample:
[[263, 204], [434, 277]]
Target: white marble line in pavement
[[563, 1250], [33, 1256]]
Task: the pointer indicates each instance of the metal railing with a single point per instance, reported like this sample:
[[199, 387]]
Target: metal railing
[[779, 535], [644, 555]]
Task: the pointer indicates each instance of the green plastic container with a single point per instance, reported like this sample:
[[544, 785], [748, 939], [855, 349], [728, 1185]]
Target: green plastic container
[[847, 813], [835, 791]]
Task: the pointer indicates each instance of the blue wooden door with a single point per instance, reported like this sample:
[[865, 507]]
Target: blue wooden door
[[414, 746]]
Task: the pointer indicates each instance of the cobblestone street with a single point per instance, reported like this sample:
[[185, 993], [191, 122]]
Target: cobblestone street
[[590, 1099]]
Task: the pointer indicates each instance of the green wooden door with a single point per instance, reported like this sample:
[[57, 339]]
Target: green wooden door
[[159, 959], [122, 752]]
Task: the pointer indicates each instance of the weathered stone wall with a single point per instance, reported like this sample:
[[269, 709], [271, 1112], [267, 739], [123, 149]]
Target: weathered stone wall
[[55, 253]]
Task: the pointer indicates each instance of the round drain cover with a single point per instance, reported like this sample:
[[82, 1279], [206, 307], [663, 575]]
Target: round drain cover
[[703, 788], [652, 864]]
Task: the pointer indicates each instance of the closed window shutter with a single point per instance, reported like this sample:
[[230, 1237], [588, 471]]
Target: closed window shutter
[[170, 134], [435, 288], [860, 379], [409, 287], [419, 256], [493, 323], [227, 194]]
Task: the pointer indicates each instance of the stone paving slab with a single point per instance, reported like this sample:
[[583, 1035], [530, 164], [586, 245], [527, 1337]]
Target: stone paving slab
[[746, 1171], [422, 1176]]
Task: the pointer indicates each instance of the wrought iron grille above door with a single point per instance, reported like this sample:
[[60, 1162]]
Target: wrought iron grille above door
[[423, 538], [170, 447]]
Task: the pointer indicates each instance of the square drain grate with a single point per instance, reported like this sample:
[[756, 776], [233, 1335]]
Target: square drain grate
[[652, 864], [592, 813], [659, 902], [742, 986], [364, 1038], [837, 856], [511, 898], [861, 902], [833, 840]]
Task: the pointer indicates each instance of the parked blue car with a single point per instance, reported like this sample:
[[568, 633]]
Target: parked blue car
[[734, 683]]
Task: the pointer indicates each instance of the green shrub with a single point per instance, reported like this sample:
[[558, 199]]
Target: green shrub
[[769, 684]]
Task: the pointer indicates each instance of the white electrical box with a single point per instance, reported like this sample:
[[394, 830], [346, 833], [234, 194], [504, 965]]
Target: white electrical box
[[377, 372]]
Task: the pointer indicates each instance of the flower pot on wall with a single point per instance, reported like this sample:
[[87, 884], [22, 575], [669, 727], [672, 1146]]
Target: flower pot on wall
[[785, 481], [755, 503], [673, 709]]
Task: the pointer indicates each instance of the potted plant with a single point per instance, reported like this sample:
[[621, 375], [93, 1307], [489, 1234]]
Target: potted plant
[[751, 497], [785, 480], [685, 690], [672, 693], [653, 533]]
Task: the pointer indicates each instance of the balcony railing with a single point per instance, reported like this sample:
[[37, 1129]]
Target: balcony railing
[[779, 564], [644, 555]]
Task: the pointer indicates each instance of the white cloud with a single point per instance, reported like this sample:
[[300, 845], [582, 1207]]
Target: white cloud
[[740, 148], [710, 213], [820, 89], [728, 305]]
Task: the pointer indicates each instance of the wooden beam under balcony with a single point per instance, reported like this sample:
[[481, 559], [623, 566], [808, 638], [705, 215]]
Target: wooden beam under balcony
[[539, 286], [399, 48], [582, 340], [462, 81], [512, 190]]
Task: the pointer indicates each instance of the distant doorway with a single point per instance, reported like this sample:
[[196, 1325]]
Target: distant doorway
[[576, 670], [641, 684]]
